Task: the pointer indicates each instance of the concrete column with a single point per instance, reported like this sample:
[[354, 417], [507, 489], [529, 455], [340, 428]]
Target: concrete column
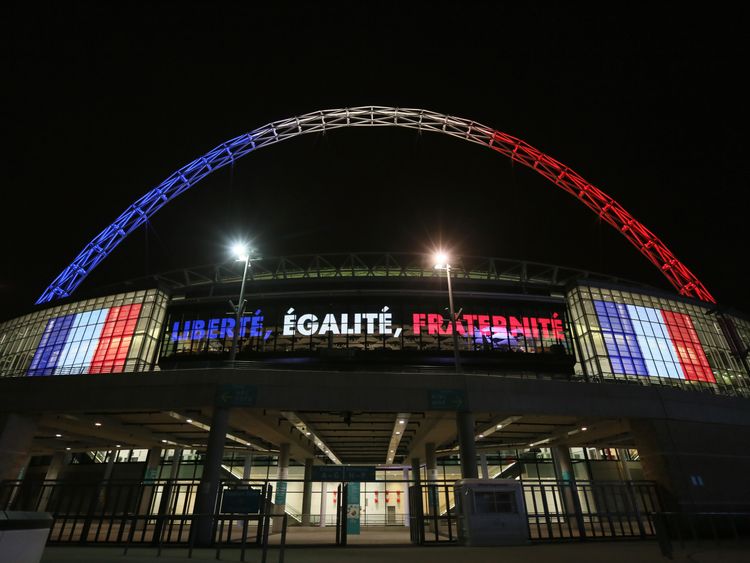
[[282, 476], [431, 461], [699, 467], [563, 464], [432, 476], [55, 470], [467, 447], [247, 468], [483, 463], [111, 456], [57, 465], [16, 435], [622, 457], [406, 487], [208, 489], [153, 459], [323, 492], [174, 471], [416, 474], [568, 489], [307, 492]]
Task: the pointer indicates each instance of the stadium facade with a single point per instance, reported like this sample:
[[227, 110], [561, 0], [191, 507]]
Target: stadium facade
[[348, 360], [610, 400]]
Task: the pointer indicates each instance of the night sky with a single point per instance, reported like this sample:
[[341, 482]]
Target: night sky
[[102, 103]]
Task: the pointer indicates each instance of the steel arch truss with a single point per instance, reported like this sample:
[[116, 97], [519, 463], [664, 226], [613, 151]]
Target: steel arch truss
[[375, 116]]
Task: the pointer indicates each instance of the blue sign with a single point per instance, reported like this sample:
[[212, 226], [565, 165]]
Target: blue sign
[[280, 493], [240, 501], [352, 509], [232, 395], [343, 473], [219, 329], [447, 399]]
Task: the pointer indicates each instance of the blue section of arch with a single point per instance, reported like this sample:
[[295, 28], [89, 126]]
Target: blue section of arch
[[137, 213]]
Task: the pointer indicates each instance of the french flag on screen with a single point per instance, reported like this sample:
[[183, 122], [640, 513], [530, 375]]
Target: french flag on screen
[[652, 342], [91, 342]]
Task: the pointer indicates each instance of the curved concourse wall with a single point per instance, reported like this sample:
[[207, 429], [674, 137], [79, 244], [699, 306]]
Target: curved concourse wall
[[615, 334], [115, 333], [639, 338]]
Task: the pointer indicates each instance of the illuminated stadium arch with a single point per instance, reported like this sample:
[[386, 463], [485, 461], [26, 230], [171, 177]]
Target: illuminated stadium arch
[[376, 116]]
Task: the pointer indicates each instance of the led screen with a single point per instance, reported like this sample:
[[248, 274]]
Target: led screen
[[652, 342], [90, 342]]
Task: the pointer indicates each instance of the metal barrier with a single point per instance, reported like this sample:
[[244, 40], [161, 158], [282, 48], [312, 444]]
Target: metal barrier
[[556, 510], [590, 509], [688, 530], [160, 512]]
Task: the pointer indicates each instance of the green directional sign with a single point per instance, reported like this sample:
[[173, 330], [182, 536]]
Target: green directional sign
[[330, 473], [343, 473], [447, 399], [231, 395], [281, 487], [352, 509], [243, 501], [359, 474]]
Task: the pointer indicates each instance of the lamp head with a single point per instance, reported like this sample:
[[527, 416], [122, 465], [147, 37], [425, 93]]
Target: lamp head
[[441, 259], [241, 252]]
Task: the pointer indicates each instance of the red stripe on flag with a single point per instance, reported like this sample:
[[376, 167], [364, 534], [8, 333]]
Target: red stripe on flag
[[689, 349], [114, 341]]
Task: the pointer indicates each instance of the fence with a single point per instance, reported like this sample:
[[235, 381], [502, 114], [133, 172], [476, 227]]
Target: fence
[[161, 512], [556, 510]]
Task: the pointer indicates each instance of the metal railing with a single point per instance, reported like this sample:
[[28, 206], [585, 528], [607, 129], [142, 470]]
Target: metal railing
[[160, 512], [556, 510], [683, 531]]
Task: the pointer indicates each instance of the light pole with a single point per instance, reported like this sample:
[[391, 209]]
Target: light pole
[[464, 416], [441, 260], [243, 254]]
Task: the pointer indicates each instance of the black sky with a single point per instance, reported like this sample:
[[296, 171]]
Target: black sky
[[103, 102]]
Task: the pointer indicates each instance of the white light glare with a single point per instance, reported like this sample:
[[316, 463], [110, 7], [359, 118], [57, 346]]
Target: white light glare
[[441, 259], [241, 251]]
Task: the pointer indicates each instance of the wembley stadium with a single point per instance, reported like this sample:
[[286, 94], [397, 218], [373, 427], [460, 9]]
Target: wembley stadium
[[349, 395]]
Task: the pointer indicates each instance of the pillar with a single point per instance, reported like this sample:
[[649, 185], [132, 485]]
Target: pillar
[[699, 467], [416, 464], [307, 492], [323, 491], [569, 491], [150, 473], [431, 462], [56, 468], [208, 489], [622, 457], [406, 486], [16, 435], [174, 471], [111, 456], [467, 447], [432, 489], [282, 476], [247, 468], [483, 463]]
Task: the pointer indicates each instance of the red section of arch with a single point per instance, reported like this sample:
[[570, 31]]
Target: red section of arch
[[608, 209]]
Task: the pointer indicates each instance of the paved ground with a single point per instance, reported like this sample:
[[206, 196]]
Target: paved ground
[[593, 552]]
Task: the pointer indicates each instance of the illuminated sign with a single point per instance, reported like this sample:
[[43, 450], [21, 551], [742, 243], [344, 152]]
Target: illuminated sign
[[499, 331], [309, 324], [91, 342], [652, 342], [219, 328], [492, 326]]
